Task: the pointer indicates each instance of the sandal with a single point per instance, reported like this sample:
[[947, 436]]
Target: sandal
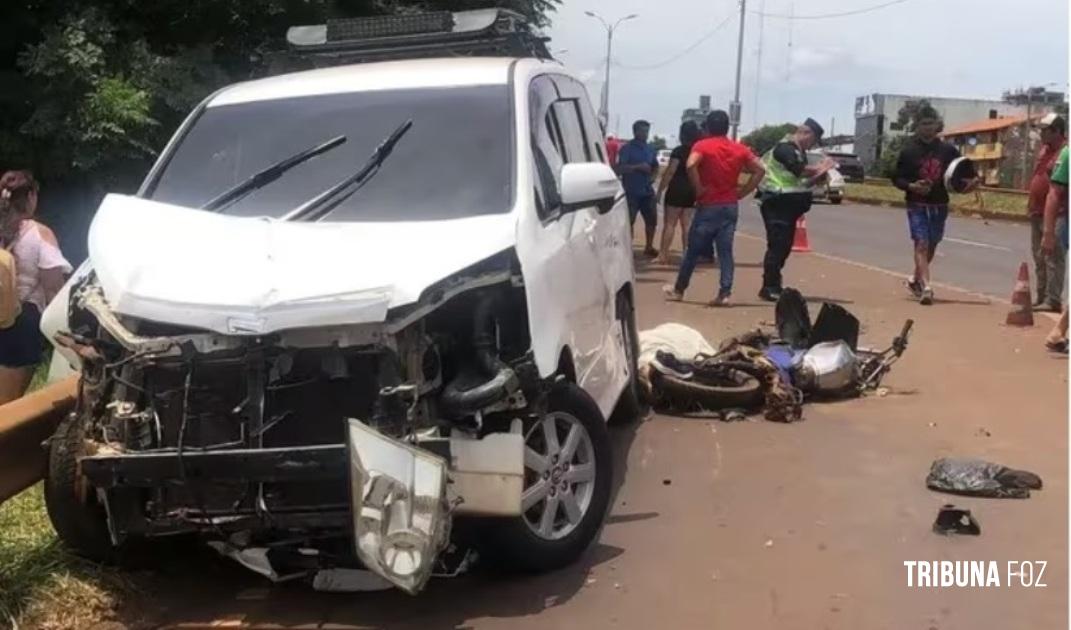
[[1056, 345]]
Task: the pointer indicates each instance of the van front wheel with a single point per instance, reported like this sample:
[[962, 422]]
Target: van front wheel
[[568, 470]]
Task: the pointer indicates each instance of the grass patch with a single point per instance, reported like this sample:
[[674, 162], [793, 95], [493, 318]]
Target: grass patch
[[42, 586], [996, 202]]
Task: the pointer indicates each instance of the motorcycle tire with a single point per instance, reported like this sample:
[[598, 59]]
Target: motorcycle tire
[[745, 392]]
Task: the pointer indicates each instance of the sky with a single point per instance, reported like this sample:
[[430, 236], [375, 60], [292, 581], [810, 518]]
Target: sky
[[809, 67]]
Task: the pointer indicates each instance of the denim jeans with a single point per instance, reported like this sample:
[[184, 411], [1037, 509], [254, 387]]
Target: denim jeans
[[713, 225]]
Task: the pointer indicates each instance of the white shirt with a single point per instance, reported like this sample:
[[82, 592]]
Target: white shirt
[[35, 252]]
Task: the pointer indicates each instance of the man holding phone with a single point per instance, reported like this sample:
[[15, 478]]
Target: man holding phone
[[920, 173]]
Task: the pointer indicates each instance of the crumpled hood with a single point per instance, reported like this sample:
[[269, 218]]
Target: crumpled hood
[[245, 275]]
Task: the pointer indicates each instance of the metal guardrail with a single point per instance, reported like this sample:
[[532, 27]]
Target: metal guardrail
[[25, 424]]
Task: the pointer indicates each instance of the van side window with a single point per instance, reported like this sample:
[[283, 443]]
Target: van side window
[[547, 146], [593, 132], [567, 114]]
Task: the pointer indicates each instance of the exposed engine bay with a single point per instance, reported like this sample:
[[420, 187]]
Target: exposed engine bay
[[368, 436]]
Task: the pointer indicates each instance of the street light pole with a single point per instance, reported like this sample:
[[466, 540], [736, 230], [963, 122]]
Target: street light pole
[[604, 105], [734, 107]]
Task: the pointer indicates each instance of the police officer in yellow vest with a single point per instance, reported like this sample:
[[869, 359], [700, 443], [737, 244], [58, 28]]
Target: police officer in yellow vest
[[785, 195]]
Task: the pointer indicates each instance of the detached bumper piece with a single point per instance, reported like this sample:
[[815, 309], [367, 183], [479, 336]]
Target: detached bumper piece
[[401, 516]]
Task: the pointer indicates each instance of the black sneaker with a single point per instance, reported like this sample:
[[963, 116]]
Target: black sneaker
[[915, 287], [666, 363], [770, 295]]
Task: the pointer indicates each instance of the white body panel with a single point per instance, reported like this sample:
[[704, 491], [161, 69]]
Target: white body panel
[[251, 276], [258, 275]]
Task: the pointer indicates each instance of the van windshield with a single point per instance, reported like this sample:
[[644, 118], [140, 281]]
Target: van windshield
[[455, 161]]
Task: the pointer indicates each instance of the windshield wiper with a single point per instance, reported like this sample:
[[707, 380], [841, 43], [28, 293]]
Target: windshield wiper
[[323, 204], [270, 174]]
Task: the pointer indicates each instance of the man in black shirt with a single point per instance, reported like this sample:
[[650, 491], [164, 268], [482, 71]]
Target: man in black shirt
[[920, 173]]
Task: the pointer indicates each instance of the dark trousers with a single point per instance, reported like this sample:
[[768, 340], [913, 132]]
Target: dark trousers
[[780, 213]]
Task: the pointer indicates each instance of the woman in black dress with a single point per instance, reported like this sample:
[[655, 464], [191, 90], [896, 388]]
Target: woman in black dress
[[679, 196]]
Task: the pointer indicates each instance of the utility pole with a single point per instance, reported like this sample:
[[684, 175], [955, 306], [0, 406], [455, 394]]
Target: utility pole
[[734, 107], [758, 64], [604, 105]]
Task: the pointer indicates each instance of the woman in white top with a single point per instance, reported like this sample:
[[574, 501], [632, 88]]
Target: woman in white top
[[41, 271]]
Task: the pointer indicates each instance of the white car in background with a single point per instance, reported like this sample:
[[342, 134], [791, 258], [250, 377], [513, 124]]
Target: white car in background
[[663, 157], [346, 306]]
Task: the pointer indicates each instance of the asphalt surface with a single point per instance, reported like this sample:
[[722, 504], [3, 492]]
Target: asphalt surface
[[978, 255], [759, 524]]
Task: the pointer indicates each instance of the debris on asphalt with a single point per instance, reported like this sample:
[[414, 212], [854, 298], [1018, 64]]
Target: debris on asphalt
[[933, 424], [348, 581], [735, 415], [252, 594], [769, 543], [975, 477], [666, 482], [983, 432], [952, 520]]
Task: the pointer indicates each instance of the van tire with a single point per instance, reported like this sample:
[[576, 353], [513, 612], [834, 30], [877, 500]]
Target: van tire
[[72, 505], [513, 544]]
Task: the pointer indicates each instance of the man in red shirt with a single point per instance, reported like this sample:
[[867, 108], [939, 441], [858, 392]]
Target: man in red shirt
[[714, 168], [1049, 269]]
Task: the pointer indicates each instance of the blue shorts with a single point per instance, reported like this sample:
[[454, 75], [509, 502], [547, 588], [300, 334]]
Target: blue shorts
[[645, 206], [927, 223]]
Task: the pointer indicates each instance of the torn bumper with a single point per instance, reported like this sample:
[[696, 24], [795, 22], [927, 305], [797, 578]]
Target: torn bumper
[[402, 496]]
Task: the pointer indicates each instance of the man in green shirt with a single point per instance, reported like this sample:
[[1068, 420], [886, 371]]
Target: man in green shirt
[[1055, 232]]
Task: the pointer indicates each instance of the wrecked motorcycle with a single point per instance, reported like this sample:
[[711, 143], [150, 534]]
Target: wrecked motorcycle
[[753, 370]]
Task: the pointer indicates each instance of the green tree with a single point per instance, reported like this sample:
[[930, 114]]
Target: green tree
[[762, 139], [658, 143], [92, 89]]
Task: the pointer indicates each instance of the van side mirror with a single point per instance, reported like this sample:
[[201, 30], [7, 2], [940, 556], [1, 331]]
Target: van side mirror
[[588, 184]]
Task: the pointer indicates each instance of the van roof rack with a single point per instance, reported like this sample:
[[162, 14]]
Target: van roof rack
[[487, 32]]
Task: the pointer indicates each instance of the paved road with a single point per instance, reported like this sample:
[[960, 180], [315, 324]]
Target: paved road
[[980, 256]]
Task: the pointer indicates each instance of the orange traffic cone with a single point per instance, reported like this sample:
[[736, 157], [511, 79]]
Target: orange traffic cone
[[801, 243], [1022, 313]]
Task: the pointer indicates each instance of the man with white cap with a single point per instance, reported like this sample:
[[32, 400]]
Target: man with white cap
[[1049, 270]]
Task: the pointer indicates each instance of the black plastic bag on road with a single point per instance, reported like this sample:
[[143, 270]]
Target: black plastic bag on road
[[974, 477]]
